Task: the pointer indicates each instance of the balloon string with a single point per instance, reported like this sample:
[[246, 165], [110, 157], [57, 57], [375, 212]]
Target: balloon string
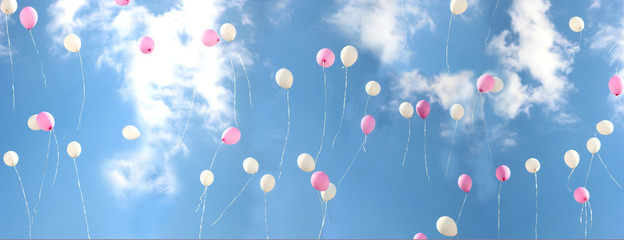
[[591, 214], [474, 126], [615, 43], [234, 77], [84, 95], [487, 139], [202, 199], [461, 209], [287, 133], [45, 80], [409, 134], [215, 155], [324, 114], [25, 201], [352, 161], [123, 84], [581, 215], [188, 119], [233, 200], [426, 168], [589, 169], [536, 206], [6, 17], [609, 172], [344, 102], [580, 38], [84, 209], [266, 225], [490, 28], [448, 162], [58, 158], [409, 51], [568, 183], [248, 83], [45, 169], [617, 67], [616, 97], [499, 192], [448, 35], [366, 107], [323, 222], [585, 221]]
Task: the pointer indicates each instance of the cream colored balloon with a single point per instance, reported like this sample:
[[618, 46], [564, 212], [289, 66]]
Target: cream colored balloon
[[284, 78], [593, 145], [532, 165], [330, 193], [228, 32], [571, 158], [605, 127], [130, 132], [306, 162], [267, 183], [577, 24], [348, 55], [72, 42], [406, 109], [8, 6], [498, 85], [206, 178], [250, 165], [457, 111], [32, 123], [458, 6], [446, 226], [74, 149], [11, 158], [373, 88]]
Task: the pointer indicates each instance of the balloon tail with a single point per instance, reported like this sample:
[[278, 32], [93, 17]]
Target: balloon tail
[[490, 28], [324, 114], [618, 100], [248, 83], [323, 222], [426, 167], [409, 51], [487, 139], [366, 107], [474, 126], [45, 169], [581, 215], [84, 209], [536, 206], [352, 161], [580, 38], [84, 95], [568, 183], [499, 192], [215, 155], [58, 159], [589, 169], [344, 102], [585, 221], [462, 208], [6, 17], [234, 77], [266, 225], [591, 214], [287, 133], [448, 162], [409, 134], [233, 200], [202, 200], [609, 172], [615, 43], [188, 119], [448, 35], [45, 80], [25, 201]]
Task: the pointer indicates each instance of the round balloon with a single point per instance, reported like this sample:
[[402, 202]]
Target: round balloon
[[605, 127], [577, 24], [32, 123], [130, 132], [593, 145], [146, 44], [325, 57], [122, 2], [372, 88], [348, 55], [306, 162], [10, 158], [420, 236], [485, 83], [228, 32], [465, 182], [581, 195], [29, 17], [210, 38], [267, 183], [532, 165], [320, 181], [571, 158], [74, 149], [498, 85], [8, 7], [250, 165], [457, 111], [206, 178], [45, 121], [458, 6], [231, 136], [615, 85], [423, 108], [72, 42], [284, 78], [406, 109], [330, 193], [367, 124], [446, 226], [503, 173]]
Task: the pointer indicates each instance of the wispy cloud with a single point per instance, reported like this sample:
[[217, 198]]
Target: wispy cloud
[[445, 89]]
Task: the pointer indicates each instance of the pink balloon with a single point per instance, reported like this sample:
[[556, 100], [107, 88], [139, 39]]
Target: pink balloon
[[581, 195], [485, 83], [45, 121], [231, 136], [325, 57], [29, 17], [146, 45], [503, 173], [367, 124], [420, 236], [423, 108], [122, 2], [210, 38], [615, 85], [320, 181], [465, 182]]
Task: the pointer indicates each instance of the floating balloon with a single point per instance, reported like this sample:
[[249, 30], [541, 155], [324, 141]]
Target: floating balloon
[[367, 124], [420, 236], [373, 88], [10, 158], [532, 165], [605, 127], [122, 2], [72, 42], [615, 85], [320, 181], [284, 78], [130, 132], [577, 24], [8, 6], [457, 112], [250, 165], [423, 108], [228, 32], [32, 123], [503, 173], [498, 85], [206, 178], [465, 182], [267, 183], [29, 17], [231, 136], [74, 149], [446, 226], [45, 121], [485, 83], [325, 58], [406, 109], [593, 145], [581, 195], [146, 45], [348, 55], [210, 38], [571, 158], [330, 193], [306, 162], [458, 6]]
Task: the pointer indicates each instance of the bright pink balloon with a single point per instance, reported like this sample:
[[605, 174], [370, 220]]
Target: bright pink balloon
[[581, 195], [485, 83], [122, 2], [45, 121], [325, 57], [231, 135], [210, 38], [29, 17], [423, 108], [465, 182], [146, 45], [503, 173], [615, 85], [320, 181], [367, 124], [420, 236]]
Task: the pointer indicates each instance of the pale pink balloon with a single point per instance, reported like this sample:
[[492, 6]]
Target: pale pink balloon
[[615, 85], [210, 38], [231, 135], [420, 236], [320, 181], [485, 83], [29, 17], [45, 121], [122, 2], [367, 124], [503, 173], [423, 108], [581, 195], [146, 45], [465, 182], [325, 57]]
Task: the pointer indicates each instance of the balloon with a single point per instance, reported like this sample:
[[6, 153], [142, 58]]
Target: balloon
[[11, 158], [32, 123], [228, 32], [458, 6], [503, 173], [420, 236], [446, 226], [231, 135], [577, 24], [485, 83], [406, 109], [367, 124], [306, 162], [423, 108], [330, 193], [72, 42], [130, 132], [498, 85], [267, 183], [284, 78], [532, 165], [146, 44], [373, 88], [250, 165], [571, 158], [210, 38], [206, 178], [348, 55], [45, 121], [605, 127], [465, 182], [457, 111], [74, 149], [29, 17], [325, 57], [581, 195], [8, 6], [593, 145], [320, 181], [615, 85], [122, 2]]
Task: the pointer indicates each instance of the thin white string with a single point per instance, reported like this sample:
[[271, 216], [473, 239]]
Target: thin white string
[[344, 102], [26, 202], [266, 225], [462, 208], [581, 215], [609, 172], [448, 162], [233, 200], [580, 38], [215, 155], [84, 209], [6, 17], [45, 80], [188, 119], [490, 28], [123, 84], [324, 114], [366, 107], [487, 139], [352, 161], [499, 192], [591, 214], [202, 199], [589, 169], [585, 221], [474, 125], [58, 158], [248, 83], [448, 35], [84, 95], [568, 183], [45, 169], [409, 51], [234, 77], [615, 43], [287, 133], [426, 167], [323, 222], [536, 206], [409, 134]]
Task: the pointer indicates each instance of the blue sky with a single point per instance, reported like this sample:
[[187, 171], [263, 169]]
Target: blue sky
[[554, 95]]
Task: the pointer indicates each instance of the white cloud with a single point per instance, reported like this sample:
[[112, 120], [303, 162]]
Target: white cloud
[[445, 89], [595, 4]]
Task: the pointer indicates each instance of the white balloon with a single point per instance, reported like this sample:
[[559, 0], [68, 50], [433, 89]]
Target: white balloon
[[532, 165], [267, 183], [72, 42], [373, 88], [571, 158], [8, 6], [306, 162], [457, 111], [130, 132], [74, 149], [348, 55], [32, 123], [446, 226], [406, 109], [250, 165], [284, 78], [593, 145], [498, 85], [206, 178], [605, 127], [228, 32], [11, 158], [458, 6], [330, 193], [577, 24]]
